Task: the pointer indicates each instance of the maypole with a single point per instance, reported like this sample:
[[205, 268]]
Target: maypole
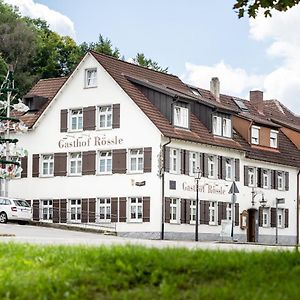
[[10, 154]]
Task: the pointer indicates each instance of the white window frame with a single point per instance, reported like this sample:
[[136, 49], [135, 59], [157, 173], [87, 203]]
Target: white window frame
[[106, 112], [136, 158], [77, 115], [77, 158], [174, 161], [227, 130], [212, 213], [174, 210], [135, 206], [266, 178], [273, 139], [91, 77], [229, 211], [193, 162], [105, 156], [48, 160], [47, 205], [217, 125], [181, 116], [211, 166], [280, 218], [74, 208], [280, 179], [192, 211], [251, 173], [103, 208], [255, 135], [229, 166], [266, 217]]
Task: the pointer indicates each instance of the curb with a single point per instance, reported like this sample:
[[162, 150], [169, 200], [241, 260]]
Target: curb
[[71, 228]]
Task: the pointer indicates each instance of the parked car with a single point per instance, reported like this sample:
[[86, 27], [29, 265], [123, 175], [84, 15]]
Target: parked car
[[13, 209]]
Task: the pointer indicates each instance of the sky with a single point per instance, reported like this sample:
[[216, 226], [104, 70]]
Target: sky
[[195, 39]]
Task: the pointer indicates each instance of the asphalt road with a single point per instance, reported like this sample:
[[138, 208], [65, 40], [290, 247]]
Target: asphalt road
[[51, 236]]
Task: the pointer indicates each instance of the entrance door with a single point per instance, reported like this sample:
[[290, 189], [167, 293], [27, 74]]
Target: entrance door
[[252, 225]]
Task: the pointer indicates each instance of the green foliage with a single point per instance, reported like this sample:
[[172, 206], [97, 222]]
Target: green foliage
[[141, 60], [34, 272], [251, 7]]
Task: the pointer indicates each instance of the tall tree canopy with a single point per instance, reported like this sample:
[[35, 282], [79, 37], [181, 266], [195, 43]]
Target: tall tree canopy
[[251, 7], [37, 52]]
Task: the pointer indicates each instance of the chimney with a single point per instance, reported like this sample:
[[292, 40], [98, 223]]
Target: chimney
[[215, 88], [257, 100]]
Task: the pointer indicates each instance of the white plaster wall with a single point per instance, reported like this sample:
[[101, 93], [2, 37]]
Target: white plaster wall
[[243, 198], [136, 130]]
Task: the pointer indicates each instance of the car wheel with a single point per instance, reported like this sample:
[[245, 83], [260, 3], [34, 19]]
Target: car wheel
[[3, 217]]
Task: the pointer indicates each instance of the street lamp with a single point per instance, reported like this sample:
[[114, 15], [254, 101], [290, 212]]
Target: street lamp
[[197, 178], [263, 202]]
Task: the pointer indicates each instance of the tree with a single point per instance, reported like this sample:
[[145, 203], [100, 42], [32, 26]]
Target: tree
[[251, 7], [141, 60], [104, 45]]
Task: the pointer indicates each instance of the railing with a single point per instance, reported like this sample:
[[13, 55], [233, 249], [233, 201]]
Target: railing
[[63, 216]]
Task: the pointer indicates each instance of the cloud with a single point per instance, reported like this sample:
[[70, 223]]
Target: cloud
[[280, 34], [57, 21]]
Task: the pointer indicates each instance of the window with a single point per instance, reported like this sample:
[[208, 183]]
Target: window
[[181, 116], [136, 209], [194, 162], [265, 178], [211, 166], [280, 217], [136, 160], [104, 209], [273, 138], [105, 162], [217, 125], [255, 135], [47, 209], [226, 127], [76, 119], [212, 213], [280, 180], [174, 216], [47, 162], [251, 176], [75, 163], [221, 125], [229, 211], [174, 161], [228, 168], [265, 217], [91, 78], [75, 209], [105, 117], [193, 212]]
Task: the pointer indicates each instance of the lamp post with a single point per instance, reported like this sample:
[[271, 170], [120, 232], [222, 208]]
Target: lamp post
[[197, 178]]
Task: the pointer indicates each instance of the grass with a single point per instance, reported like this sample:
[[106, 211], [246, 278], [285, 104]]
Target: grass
[[63, 272]]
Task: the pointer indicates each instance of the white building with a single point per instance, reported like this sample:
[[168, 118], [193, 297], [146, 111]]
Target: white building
[[116, 144]]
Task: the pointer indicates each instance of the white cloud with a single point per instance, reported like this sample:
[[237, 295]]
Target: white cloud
[[57, 21], [283, 83]]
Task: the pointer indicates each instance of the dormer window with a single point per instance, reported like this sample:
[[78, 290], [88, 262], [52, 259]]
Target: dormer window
[[274, 139], [221, 125], [255, 135], [90, 78], [181, 116]]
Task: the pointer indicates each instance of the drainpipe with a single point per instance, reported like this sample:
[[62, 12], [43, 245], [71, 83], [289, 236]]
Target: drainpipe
[[163, 190], [297, 212]]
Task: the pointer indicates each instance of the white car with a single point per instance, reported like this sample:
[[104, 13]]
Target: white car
[[13, 209]]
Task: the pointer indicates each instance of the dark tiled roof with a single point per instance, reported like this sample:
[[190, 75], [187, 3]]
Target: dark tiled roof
[[46, 88]]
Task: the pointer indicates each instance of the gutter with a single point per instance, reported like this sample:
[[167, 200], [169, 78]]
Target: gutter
[[297, 212], [162, 234]]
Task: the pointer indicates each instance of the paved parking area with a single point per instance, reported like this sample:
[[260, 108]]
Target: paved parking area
[[51, 236]]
